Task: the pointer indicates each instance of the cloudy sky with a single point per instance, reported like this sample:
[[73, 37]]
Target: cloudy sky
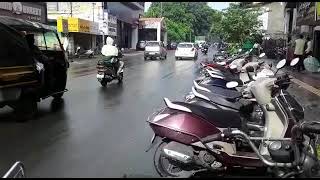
[[213, 5]]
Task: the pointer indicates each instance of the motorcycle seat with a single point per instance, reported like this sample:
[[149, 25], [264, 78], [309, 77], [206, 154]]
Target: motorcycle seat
[[215, 98], [229, 94], [217, 117]]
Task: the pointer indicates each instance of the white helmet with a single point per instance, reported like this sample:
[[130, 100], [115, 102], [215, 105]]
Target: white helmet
[[110, 41]]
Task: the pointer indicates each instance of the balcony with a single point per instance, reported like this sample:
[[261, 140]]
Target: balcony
[[134, 5]]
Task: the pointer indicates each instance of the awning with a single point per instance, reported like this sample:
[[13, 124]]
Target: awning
[[24, 25]]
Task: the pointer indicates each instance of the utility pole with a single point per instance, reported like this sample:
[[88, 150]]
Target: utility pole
[[161, 9], [190, 36], [71, 9], [103, 23]]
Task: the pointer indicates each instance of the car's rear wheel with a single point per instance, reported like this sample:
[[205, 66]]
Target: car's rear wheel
[[145, 58], [26, 109]]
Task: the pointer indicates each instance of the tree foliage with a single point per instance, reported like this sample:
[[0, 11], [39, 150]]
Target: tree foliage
[[183, 18], [237, 24]]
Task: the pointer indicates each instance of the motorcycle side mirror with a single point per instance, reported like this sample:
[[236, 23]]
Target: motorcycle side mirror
[[262, 55], [294, 61], [280, 65], [232, 84]]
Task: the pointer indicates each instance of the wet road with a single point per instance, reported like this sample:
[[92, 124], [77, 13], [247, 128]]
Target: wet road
[[102, 132]]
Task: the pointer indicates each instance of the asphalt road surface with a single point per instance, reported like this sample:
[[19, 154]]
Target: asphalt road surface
[[102, 132]]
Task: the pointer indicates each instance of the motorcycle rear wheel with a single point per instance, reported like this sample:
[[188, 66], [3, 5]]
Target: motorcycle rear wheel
[[168, 169], [103, 83], [120, 78]]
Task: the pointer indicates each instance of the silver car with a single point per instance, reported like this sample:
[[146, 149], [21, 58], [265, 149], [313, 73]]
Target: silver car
[[155, 49]]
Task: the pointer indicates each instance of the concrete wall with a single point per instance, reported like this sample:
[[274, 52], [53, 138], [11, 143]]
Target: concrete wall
[[128, 15], [275, 17]]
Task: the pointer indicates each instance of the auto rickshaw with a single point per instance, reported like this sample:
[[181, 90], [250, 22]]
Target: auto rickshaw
[[25, 78]]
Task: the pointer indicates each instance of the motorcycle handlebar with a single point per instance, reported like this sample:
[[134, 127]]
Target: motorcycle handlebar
[[313, 127], [214, 137]]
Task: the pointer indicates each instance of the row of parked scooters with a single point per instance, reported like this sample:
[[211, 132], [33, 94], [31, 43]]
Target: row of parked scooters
[[237, 116]]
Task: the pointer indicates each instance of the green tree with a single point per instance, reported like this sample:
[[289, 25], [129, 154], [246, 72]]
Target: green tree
[[237, 24], [183, 18]]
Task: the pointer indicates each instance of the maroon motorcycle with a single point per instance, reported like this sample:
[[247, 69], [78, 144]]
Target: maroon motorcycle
[[192, 138]]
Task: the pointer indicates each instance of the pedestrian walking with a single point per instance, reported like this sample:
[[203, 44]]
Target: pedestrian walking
[[299, 51], [308, 51]]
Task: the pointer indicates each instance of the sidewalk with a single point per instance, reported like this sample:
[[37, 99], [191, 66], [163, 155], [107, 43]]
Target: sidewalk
[[312, 79], [126, 52]]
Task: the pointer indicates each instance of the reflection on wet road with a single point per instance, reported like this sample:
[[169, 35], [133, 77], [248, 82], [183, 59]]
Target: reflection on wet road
[[102, 132]]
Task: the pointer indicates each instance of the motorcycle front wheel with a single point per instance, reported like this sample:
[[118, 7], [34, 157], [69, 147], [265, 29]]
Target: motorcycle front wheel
[[164, 166], [103, 83], [120, 78]]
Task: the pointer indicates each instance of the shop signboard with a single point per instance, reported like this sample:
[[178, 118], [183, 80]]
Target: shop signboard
[[82, 26], [25, 10], [317, 11], [112, 25], [62, 25]]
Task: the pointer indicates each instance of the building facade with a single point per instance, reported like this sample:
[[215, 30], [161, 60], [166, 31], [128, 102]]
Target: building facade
[[152, 29], [86, 21], [32, 11], [127, 15], [304, 18]]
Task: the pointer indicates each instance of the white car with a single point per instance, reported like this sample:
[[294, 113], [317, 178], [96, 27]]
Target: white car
[[186, 50]]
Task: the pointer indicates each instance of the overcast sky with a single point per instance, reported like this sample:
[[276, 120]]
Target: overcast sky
[[213, 5]]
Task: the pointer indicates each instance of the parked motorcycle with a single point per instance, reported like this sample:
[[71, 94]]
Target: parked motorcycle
[[204, 50], [110, 68], [83, 53], [195, 138]]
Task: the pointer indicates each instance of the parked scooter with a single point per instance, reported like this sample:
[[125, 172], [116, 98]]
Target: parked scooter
[[83, 53], [110, 69], [196, 138]]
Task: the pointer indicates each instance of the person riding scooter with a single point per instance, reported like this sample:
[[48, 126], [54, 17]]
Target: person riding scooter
[[109, 51]]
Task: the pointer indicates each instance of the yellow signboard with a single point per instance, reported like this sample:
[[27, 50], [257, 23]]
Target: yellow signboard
[[78, 25], [62, 25], [73, 24], [84, 26]]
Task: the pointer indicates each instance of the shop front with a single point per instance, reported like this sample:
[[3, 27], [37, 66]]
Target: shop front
[[32, 11], [152, 29], [308, 22], [80, 33]]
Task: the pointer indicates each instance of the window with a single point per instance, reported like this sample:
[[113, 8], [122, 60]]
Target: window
[[52, 6], [152, 44], [185, 46], [47, 42]]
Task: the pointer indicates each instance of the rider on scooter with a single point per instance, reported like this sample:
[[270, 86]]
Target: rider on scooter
[[110, 51]]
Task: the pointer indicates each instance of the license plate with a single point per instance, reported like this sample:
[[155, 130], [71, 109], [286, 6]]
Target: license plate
[[100, 76], [152, 53]]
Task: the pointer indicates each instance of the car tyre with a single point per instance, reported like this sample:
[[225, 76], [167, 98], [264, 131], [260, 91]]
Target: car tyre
[[26, 109]]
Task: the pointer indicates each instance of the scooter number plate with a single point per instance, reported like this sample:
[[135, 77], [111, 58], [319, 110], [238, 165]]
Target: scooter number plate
[[100, 76]]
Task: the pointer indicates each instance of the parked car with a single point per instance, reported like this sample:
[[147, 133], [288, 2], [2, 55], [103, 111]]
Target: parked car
[[186, 50], [141, 45], [155, 49]]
